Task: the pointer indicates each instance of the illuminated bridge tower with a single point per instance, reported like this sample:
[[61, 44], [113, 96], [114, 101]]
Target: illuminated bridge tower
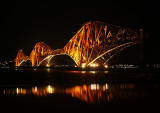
[[96, 39], [40, 52], [20, 58]]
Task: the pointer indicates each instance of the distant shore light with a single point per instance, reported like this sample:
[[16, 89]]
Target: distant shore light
[[106, 66], [48, 65], [50, 89]]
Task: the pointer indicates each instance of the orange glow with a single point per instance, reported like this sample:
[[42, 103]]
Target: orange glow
[[17, 91], [48, 69], [39, 52], [23, 91], [50, 89], [77, 89], [20, 58], [93, 65], [105, 87], [106, 66], [35, 88], [83, 65], [93, 72], [83, 72], [91, 93], [48, 65], [88, 93], [93, 86], [106, 72], [85, 47]]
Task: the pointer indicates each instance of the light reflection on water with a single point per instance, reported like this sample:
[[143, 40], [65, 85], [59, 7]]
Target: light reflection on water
[[92, 93], [96, 86]]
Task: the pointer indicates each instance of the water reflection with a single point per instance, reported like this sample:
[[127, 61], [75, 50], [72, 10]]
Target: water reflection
[[92, 93], [93, 72], [38, 91]]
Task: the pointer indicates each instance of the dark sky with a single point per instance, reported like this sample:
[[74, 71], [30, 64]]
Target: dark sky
[[25, 22]]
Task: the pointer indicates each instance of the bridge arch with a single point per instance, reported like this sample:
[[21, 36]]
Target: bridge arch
[[105, 57], [25, 63], [62, 59], [66, 59], [127, 56]]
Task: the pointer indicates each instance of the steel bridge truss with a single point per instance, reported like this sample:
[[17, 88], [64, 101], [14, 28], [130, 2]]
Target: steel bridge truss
[[94, 42]]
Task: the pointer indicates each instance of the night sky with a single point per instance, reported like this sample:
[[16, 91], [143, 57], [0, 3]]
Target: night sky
[[24, 22]]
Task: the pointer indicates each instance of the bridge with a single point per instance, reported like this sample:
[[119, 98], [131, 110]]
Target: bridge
[[94, 43]]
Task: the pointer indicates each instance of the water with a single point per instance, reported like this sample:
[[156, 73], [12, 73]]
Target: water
[[50, 90]]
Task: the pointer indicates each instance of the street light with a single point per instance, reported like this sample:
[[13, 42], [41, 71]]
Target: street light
[[48, 65], [93, 65], [106, 66], [83, 65]]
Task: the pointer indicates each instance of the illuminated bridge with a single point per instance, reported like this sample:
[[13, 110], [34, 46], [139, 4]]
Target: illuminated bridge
[[93, 44]]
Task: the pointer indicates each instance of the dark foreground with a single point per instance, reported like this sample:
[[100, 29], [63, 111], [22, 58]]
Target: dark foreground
[[47, 90]]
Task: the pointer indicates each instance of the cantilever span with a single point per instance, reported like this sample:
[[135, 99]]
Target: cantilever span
[[21, 57], [39, 52], [95, 38], [92, 42]]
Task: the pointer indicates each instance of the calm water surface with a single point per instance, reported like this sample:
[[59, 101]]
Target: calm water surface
[[49, 90]]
